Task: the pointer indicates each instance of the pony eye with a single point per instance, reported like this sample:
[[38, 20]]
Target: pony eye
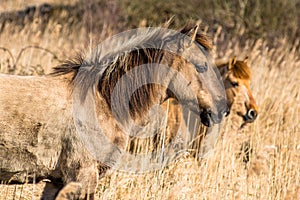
[[235, 84], [201, 68]]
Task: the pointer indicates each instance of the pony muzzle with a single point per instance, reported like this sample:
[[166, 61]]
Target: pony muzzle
[[208, 118]]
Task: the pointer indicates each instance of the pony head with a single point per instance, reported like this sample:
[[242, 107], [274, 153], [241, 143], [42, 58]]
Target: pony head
[[206, 74], [237, 75]]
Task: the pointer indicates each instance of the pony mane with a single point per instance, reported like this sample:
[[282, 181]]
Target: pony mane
[[106, 65], [240, 69], [142, 98]]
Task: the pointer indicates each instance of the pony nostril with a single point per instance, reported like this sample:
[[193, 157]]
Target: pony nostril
[[251, 114], [206, 118]]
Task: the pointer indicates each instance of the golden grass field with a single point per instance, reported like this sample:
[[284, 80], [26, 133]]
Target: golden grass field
[[273, 171]]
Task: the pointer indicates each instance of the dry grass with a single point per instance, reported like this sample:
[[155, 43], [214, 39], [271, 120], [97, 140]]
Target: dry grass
[[273, 171], [28, 60]]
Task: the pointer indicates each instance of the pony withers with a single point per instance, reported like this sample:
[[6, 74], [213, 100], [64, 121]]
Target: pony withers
[[68, 126]]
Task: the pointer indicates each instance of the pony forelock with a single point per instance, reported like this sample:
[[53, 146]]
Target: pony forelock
[[241, 70]]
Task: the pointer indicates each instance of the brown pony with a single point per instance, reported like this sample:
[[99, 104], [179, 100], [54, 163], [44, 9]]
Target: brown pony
[[236, 77], [67, 127]]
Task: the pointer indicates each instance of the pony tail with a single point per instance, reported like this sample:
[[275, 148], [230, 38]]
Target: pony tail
[[70, 66]]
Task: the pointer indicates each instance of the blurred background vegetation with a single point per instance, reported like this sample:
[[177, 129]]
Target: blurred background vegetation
[[246, 19]]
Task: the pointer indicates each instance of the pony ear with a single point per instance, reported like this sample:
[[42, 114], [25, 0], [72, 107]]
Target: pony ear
[[191, 37], [169, 22], [232, 62], [192, 33], [246, 60]]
